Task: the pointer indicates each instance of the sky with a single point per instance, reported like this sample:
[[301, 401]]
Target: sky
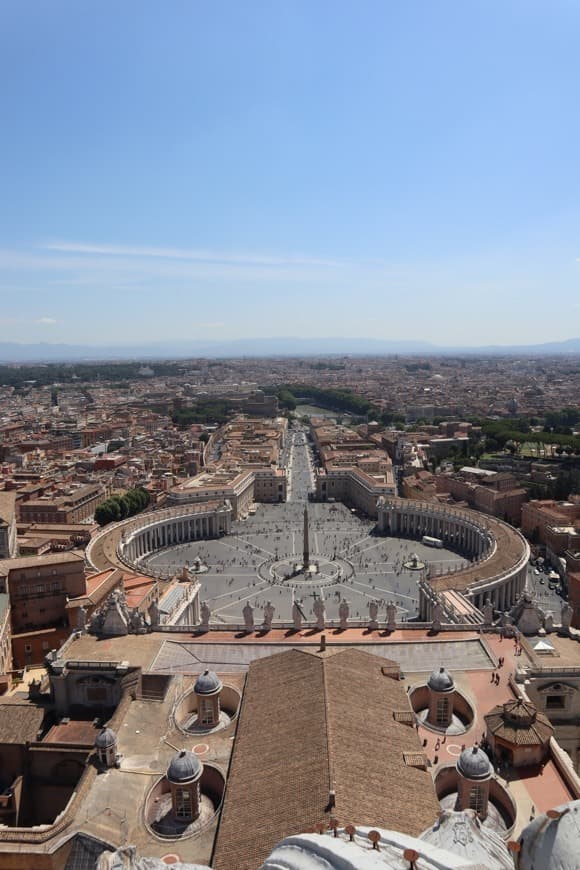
[[192, 170]]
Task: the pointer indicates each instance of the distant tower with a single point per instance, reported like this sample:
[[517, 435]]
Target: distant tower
[[306, 560]]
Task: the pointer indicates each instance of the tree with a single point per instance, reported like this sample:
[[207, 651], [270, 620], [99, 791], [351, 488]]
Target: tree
[[119, 507]]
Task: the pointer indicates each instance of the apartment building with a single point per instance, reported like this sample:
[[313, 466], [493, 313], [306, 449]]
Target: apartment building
[[8, 546]]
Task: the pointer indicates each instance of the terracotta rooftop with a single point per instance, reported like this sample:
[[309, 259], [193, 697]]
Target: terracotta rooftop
[[312, 722], [518, 722], [75, 731], [7, 565], [7, 506], [19, 722]]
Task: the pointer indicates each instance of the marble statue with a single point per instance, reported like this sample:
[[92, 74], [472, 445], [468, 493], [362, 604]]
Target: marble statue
[[320, 613], [297, 615], [343, 613], [437, 617], [373, 613], [527, 614], [269, 611], [566, 615], [136, 622], [116, 619], [391, 616], [81, 618], [205, 615], [487, 611], [248, 613], [549, 621], [154, 616]]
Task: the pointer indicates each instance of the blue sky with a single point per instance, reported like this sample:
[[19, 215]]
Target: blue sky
[[319, 168]]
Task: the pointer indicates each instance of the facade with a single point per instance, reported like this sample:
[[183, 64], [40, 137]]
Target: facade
[[494, 493], [8, 545], [554, 690], [73, 508], [539, 516], [5, 643], [39, 588], [354, 487], [237, 488]]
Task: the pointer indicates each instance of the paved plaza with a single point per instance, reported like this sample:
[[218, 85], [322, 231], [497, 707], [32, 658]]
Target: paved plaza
[[259, 562]]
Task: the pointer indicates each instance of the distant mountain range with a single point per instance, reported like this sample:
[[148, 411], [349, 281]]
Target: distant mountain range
[[11, 352]]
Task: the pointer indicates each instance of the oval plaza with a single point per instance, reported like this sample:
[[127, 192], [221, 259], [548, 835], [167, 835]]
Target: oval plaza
[[249, 552]]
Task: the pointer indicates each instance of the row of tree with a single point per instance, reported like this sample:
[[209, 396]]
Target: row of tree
[[508, 434], [334, 399], [209, 411], [119, 507], [64, 373]]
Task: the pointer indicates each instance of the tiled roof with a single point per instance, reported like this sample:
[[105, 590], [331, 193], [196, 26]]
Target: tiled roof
[[519, 723], [22, 562], [311, 723], [7, 506], [19, 723]]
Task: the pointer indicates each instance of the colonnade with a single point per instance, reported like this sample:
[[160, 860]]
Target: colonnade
[[503, 594], [458, 531], [170, 531]]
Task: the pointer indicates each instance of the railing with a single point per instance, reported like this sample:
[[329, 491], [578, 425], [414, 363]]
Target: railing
[[331, 625]]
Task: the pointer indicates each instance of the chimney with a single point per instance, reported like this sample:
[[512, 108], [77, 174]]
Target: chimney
[[323, 643]]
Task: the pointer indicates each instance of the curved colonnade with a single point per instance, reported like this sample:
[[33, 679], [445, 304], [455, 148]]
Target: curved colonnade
[[499, 553], [132, 540]]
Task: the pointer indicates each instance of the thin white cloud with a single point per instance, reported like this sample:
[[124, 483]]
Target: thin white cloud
[[215, 325], [199, 256], [46, 321]]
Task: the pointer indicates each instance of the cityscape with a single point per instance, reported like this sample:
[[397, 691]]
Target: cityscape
[[188, 546], [289, 436]]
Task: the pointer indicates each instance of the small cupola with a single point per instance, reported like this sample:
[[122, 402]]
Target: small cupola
[[106, 747], [475, 773], [184, 774], [441, 690], [207, 689]]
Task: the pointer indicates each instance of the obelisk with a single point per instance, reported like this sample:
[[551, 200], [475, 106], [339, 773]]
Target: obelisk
[[306, 560]]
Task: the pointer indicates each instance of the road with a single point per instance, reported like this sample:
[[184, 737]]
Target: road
[[300, 467]]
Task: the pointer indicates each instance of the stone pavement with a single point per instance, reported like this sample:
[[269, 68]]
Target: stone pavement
[[184, 657]]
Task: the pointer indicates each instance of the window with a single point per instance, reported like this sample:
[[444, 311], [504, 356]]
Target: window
[[96, 694], [206, 713], [442, 714], [555, 702], [476, 800], [183, 804], [27, 648]]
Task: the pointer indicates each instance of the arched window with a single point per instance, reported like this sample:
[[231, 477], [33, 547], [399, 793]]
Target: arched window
[[476, 799], [206, 712], [442, 714], [183, 803]]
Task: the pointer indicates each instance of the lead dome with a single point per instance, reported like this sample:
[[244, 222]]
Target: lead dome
[[551, 840], [473, 763], [207, 683], [105, 739], [441, 681], [184, 766]]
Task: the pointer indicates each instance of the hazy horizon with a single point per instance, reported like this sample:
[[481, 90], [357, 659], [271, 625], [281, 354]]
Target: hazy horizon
[[217, 173]]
